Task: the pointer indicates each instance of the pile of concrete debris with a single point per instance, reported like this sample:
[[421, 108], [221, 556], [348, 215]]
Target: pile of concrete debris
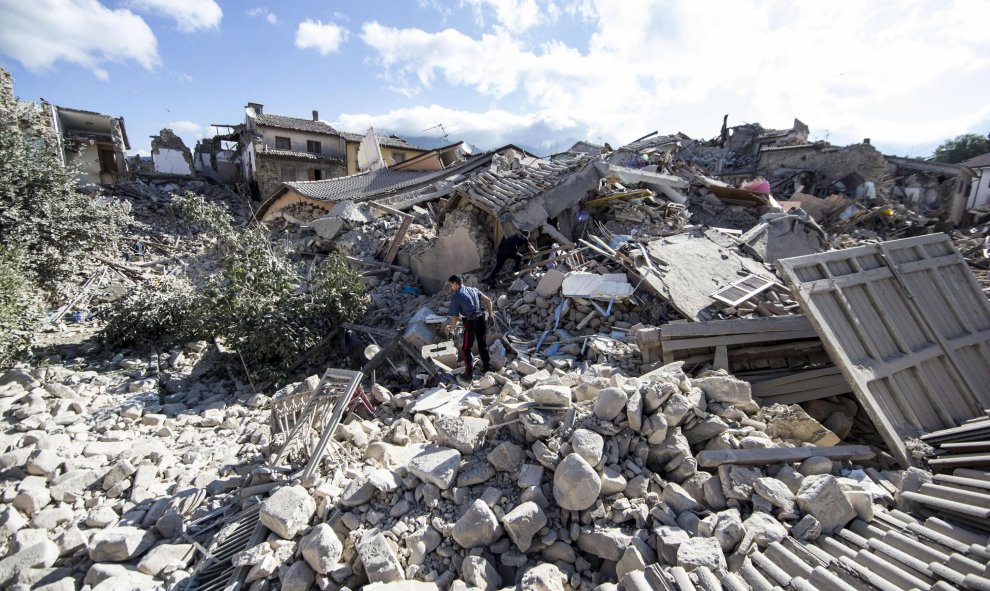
[[549, 477], [662, 415]]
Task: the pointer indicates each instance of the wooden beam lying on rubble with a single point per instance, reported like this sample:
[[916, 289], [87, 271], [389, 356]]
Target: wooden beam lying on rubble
[[712, 458]]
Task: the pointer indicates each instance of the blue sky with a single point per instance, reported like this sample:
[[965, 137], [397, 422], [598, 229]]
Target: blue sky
[[541, 73]]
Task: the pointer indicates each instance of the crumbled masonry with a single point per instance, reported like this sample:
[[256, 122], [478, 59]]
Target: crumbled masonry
[[669, 409]]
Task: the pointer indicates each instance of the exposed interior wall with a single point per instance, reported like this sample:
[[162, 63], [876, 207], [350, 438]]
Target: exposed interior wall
[[170, 154], [169, 161], [87, 160], [980, 198], [461, 246], [387, 154]]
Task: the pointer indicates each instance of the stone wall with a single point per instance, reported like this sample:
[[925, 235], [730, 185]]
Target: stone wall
[[269, 174], [830, 164]]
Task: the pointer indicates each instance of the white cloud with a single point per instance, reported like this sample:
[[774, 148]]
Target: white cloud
[[41, 33], [325, 38], [187, 128], [890, 70], [189, 15], [515, 15], [262, 11]]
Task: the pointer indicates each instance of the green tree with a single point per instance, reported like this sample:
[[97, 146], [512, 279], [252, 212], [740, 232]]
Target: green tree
[[962, 148]]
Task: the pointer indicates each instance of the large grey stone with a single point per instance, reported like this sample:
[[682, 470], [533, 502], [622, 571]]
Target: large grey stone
[[764, 529], [727, 390], [589, 444], [117, 544], [480, 573], [436, 465], [729, 529], [506, 457], [605, 542], [41, 555], [821, 497], [679, 500], [523, 522], [776, 492], [701, 552], [32, 495], [551, 395], [477, 527], [609, 403], [379, 560], [543, 577], [298, 577], [72, 483], [465, 434], [287, 511], [576, 485], [165, 559], [322, 549]]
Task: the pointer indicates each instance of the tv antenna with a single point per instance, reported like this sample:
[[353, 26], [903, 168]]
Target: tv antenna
[[441, 132]]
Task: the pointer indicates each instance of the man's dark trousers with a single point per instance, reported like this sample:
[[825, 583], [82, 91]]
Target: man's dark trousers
[[475, 329]]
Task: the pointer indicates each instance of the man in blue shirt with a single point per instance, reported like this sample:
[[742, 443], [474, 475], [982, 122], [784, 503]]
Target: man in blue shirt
[[466, 302]]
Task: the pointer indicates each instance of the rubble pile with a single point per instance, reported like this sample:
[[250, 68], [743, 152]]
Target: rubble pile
[[102, 470], [575, 478], [660, 415]]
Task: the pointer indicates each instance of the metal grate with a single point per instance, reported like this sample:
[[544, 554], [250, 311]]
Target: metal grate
[[319, 416], [215, 571]]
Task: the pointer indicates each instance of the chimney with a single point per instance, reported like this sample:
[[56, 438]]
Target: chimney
[[258, 108], [316, 116], [866, 141]]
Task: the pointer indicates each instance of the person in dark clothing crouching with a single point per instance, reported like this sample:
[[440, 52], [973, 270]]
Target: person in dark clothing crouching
[[475, 308], [508, 248]]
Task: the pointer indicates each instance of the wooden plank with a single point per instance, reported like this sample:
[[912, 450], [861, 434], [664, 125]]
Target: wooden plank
[[829, 380], [730, 327], [712, 458], [739, 339], [801, 376], [806, 395]]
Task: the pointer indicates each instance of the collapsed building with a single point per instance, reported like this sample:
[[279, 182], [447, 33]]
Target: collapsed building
[[697, 386]]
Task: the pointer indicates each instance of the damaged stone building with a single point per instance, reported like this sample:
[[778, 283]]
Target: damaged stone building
[[274, 149]]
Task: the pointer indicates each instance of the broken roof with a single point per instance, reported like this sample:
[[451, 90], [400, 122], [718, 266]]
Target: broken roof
[[369, 184], [654, 141], [295, 123], [392, 141], [360, 186], [981, 161], [300, 155], [508, 191]]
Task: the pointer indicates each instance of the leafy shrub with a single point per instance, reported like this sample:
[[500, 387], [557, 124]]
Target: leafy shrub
[[19, 310], [260, 303]]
